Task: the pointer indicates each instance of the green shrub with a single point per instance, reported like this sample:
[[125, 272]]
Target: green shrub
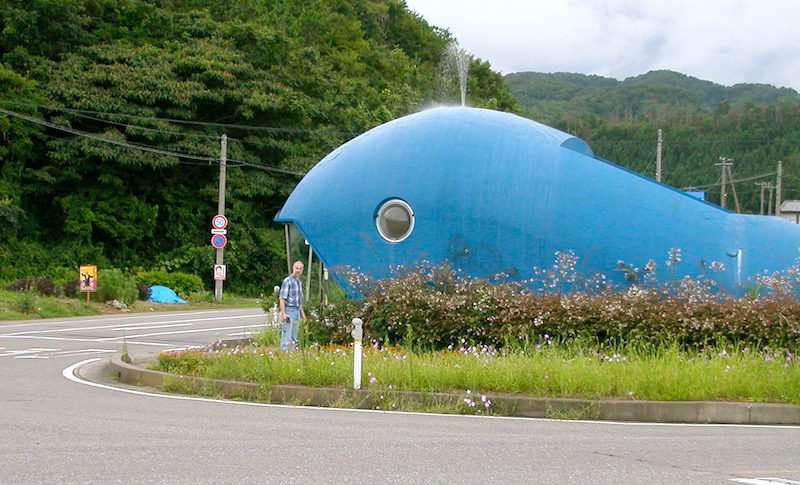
[[112, 284], [151, 278], [65, 279], [27, 301], [435, 308], [201, 297], [184, 284]]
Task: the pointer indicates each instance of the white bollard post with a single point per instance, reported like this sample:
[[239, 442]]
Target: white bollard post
[[357, 333]]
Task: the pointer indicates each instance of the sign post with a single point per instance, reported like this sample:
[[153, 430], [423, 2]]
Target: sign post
[[219, 240], [87, 278]]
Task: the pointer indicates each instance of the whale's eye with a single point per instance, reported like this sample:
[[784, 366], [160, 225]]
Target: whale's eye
[[395, 220]]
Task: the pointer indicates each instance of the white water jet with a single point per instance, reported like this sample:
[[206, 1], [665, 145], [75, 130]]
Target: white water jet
[[455, 63]]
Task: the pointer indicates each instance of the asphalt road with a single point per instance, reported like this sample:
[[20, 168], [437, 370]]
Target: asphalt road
[[62, 423]]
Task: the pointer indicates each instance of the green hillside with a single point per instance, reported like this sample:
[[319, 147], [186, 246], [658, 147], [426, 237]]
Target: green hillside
[[756, 125], [112, 112]]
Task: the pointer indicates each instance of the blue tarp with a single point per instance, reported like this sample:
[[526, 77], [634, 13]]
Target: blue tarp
[[162, 294]]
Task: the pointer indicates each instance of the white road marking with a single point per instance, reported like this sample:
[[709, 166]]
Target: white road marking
[[117, 326], [47, 353], [250, 312], [93, 340], [125, 329], [765, 481], [195, 330], [73, 353], [17, 353]]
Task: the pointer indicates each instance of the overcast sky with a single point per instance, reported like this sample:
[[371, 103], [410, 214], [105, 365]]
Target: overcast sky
[[724, 41]]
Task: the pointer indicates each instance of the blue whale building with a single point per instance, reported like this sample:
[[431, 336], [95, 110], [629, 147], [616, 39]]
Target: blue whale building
[[491, 192]]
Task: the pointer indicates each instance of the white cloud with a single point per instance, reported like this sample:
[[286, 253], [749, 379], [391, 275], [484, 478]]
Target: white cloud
[[724, 41]]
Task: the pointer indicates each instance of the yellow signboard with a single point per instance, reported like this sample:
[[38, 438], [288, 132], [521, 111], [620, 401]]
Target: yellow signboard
[[88, 278]]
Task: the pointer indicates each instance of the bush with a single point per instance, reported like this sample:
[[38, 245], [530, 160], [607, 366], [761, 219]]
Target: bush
[[27, 301], [71, 288], [43, 286], [66, 280], [435, 307], [112, 284]]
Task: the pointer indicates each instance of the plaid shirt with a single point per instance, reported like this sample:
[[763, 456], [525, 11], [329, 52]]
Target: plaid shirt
[[292, 291]]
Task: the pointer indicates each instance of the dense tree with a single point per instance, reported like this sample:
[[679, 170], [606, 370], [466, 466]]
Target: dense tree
[[754, 124], [114, 111]]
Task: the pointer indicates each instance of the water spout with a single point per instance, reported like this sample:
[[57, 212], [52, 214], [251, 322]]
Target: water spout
[[455, 63]]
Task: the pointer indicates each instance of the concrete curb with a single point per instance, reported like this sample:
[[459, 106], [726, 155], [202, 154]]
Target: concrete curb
[[698, 412]]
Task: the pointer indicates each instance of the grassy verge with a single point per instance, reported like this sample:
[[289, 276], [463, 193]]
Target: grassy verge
[[27, 305], [555, 369]]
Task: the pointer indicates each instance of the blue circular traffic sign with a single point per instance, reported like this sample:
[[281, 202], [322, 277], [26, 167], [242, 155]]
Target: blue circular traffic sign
[[219, 241]]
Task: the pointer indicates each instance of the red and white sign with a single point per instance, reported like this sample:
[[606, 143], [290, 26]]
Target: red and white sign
[[219, 222], [219, 241]]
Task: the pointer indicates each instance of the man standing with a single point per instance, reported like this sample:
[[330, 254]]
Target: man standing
[[291, 303]]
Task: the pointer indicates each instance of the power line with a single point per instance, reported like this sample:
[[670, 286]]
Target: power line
[[135, 146], [186, 122], [92, 136], [719, 182]]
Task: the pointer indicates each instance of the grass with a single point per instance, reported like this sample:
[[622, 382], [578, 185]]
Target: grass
[[566, 369], [27, 305], [549, 369]]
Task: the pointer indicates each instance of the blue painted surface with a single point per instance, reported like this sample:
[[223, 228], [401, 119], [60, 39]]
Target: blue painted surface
[[494, 192], [162, 294]]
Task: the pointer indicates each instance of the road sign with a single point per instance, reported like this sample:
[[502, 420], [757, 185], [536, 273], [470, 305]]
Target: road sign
[[219, 231], [220, 272], [219, 222], [219, 241], [88, 277]]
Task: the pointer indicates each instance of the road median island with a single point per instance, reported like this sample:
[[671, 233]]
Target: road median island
[[136, 373]]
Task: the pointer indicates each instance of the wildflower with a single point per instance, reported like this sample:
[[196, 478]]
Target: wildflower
[[674, 256]]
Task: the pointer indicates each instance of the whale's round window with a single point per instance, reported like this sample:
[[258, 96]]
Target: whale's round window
[[395, 220]]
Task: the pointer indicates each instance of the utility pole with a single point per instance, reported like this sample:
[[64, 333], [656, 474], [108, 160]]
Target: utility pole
[[762, 185], [733, 189], [770, 186], [223, 155], [724, 163], [658, 157], [778, 195]]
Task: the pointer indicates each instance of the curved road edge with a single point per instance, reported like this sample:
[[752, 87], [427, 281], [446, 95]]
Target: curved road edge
[[691, 412]]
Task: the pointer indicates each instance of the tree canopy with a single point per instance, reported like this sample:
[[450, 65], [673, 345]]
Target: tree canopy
[[755, 125], [111, 113]]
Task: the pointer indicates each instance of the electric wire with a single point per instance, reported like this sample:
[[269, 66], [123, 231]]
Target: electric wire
[[186, 122], [150, 149]]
